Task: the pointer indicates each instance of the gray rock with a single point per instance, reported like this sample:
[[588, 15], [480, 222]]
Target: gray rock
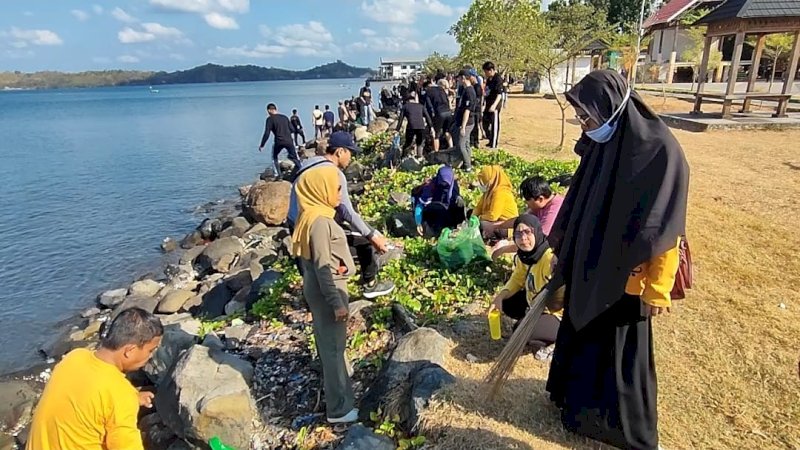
[[256, 229], [360, 312], [145, 288], [354, 172], [359, 437], [179, 334], [361, 133], [192, 239], [91, 312], [392, 254], [212, 341], [17, 399], [169, 245], [214, 301], [243, 190], [7, 442], [400, 198], [112, 298], [238, 227], [239, 280], [191, 254], [268, 202], [238, 333], [450, 157], [209, 228], [220, 255], [235, 306], [402, 224], [63, 342], [424, 383], [410, 165], [207, 395], [378, 125], [174, 301], [263, 282], [148, 304], [154, 433]]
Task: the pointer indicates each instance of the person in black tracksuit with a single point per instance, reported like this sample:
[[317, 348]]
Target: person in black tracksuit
[[438, 105], [494, 102], [297, 129], [418, 121], [279, 125]]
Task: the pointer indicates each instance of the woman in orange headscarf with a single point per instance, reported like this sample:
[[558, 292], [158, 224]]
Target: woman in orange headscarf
[[497, 204], [321, 245]]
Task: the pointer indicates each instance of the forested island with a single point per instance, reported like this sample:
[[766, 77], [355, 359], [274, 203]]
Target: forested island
[[208, 73]]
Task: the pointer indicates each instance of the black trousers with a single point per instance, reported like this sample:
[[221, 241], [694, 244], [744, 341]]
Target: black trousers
[[290, 149], [414, 140], [546, 328], [361, 248], [491, 127], [301, 134]]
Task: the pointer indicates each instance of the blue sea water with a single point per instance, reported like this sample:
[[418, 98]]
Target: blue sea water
[[94, 179]]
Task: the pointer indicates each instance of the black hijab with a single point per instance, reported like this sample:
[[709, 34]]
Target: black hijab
[[532, 257], [626, 203]]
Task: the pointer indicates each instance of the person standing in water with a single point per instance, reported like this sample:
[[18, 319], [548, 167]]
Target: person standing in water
[[279, 125], [616, 238], [297, 129]]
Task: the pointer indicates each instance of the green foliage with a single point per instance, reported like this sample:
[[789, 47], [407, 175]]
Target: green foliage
[[440, 62], [210, 326], [412, 443], [268, 306], [694, 52]]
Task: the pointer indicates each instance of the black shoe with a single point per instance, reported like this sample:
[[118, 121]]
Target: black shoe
[[377, 289]]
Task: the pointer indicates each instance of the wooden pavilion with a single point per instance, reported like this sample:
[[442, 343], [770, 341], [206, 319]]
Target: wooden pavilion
[[759, 18]]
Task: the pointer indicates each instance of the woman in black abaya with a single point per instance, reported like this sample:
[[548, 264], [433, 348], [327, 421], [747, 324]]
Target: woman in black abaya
[[616, 239]]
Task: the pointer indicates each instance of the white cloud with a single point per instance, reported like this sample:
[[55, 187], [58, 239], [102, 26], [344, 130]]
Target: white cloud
[[403, 32], [265, 31], [35, 37], [307, 35], [221, 21], [151, 31], [123, 16], [386, 44], [368, 32], [19, 44], [97, 9], [80, 15], [259, 51], [128, 59], [403, 11]]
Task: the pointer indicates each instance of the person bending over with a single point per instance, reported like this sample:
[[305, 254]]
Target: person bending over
[[88, 402], [532, 270], [438, 203], [279, 125]]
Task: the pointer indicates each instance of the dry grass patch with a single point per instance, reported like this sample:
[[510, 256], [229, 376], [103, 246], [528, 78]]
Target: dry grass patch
[[726, 357]]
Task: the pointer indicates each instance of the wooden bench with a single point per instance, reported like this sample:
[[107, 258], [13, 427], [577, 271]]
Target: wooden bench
[[745, 98]]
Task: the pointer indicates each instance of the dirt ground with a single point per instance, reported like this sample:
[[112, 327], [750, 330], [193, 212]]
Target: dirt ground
[[727, 356]]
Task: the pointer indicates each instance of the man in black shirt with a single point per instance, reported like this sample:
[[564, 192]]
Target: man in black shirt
[[464, 120], [297, 128], [279, 125], [494, 102], [438, 104], [418, 121]]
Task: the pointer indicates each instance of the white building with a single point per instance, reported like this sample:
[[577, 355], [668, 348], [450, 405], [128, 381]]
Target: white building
[[399, 68]]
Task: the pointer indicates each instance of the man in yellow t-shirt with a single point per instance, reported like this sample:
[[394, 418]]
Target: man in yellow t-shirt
[[88, 404]]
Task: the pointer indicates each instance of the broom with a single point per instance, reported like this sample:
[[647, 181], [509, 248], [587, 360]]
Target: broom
[[515, 346]]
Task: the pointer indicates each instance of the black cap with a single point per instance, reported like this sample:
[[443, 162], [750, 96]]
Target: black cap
[[343, 139]]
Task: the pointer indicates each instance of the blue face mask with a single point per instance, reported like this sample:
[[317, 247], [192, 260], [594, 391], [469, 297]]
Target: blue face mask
[[604, 133]]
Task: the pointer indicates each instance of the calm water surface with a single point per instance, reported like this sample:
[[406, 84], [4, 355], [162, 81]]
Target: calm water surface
[[93, 179]]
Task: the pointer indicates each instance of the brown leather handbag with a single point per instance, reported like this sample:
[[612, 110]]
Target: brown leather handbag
[[684, 276]]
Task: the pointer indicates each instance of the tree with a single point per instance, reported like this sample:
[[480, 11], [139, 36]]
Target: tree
[[562, 34], [777, 46], [493, 30], [697, 38], [436, 62], [626, 45]]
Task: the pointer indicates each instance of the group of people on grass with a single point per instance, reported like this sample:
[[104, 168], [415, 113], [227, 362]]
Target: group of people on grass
[[613, 240]]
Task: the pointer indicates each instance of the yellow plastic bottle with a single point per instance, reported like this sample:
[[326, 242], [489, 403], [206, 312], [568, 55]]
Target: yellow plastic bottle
[[494, 324]]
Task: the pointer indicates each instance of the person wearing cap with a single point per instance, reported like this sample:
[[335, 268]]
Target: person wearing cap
[[464, 120], [418, 121], [439, 105], [281, 127], [494, 102], [363, 240]]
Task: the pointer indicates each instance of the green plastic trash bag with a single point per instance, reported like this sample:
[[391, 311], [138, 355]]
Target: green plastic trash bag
[[459, 249], [216, 444]]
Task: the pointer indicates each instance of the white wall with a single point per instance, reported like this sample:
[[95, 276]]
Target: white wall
[[665, 38], [583, 65]]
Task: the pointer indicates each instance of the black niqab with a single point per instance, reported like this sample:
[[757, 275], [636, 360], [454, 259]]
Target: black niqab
[[626, 203], [541, 245]]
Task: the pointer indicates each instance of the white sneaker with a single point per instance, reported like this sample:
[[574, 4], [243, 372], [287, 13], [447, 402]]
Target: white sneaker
[[350, 417]]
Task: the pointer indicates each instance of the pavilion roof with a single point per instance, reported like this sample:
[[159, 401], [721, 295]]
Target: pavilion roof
[[753, 9]]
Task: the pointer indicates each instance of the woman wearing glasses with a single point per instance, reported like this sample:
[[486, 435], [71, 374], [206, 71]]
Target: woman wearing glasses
[[532, 270], [616, 237]]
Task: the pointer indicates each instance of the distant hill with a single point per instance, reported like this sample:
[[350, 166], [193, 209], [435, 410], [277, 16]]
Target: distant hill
[[209, 73]]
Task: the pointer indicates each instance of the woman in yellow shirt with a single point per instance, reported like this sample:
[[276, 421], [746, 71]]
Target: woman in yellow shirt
[[497, 204], [532, 270]]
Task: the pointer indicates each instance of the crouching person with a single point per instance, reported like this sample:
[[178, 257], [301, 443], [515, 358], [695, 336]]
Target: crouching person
[[321, 245], [88, 403], [532, 270]]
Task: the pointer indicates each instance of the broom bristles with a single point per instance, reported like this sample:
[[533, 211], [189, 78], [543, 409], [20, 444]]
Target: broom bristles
[[516, 344]]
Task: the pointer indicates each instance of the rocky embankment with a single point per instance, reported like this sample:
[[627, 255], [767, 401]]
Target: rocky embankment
[[238, 359]]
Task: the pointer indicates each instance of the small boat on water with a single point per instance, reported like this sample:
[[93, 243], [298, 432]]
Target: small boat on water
[[153, 91]]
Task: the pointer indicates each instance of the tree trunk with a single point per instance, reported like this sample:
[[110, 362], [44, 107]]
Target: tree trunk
[[563, 109], [772, 75]]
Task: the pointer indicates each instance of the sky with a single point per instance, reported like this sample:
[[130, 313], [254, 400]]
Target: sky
[[75, 35]]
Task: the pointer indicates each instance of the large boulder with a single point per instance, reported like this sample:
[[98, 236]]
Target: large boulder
[[192, 239], [174, 301], [146, 303], [410, 164], [220, 255], [238, 227], [361, 134], [181, 331], [112, 298], [17, 399], [378, 125], [424, 384], [145, 288], [359, 437], [189, 255], [207, 395], [268, 202], [402, 224]]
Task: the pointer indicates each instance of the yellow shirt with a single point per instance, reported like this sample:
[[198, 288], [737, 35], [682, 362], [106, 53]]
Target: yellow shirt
[[653, 281], [88, 404], [500, 205], [533, 278]]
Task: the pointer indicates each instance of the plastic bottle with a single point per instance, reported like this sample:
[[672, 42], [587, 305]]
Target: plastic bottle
[[216, 444], [494, 324]]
